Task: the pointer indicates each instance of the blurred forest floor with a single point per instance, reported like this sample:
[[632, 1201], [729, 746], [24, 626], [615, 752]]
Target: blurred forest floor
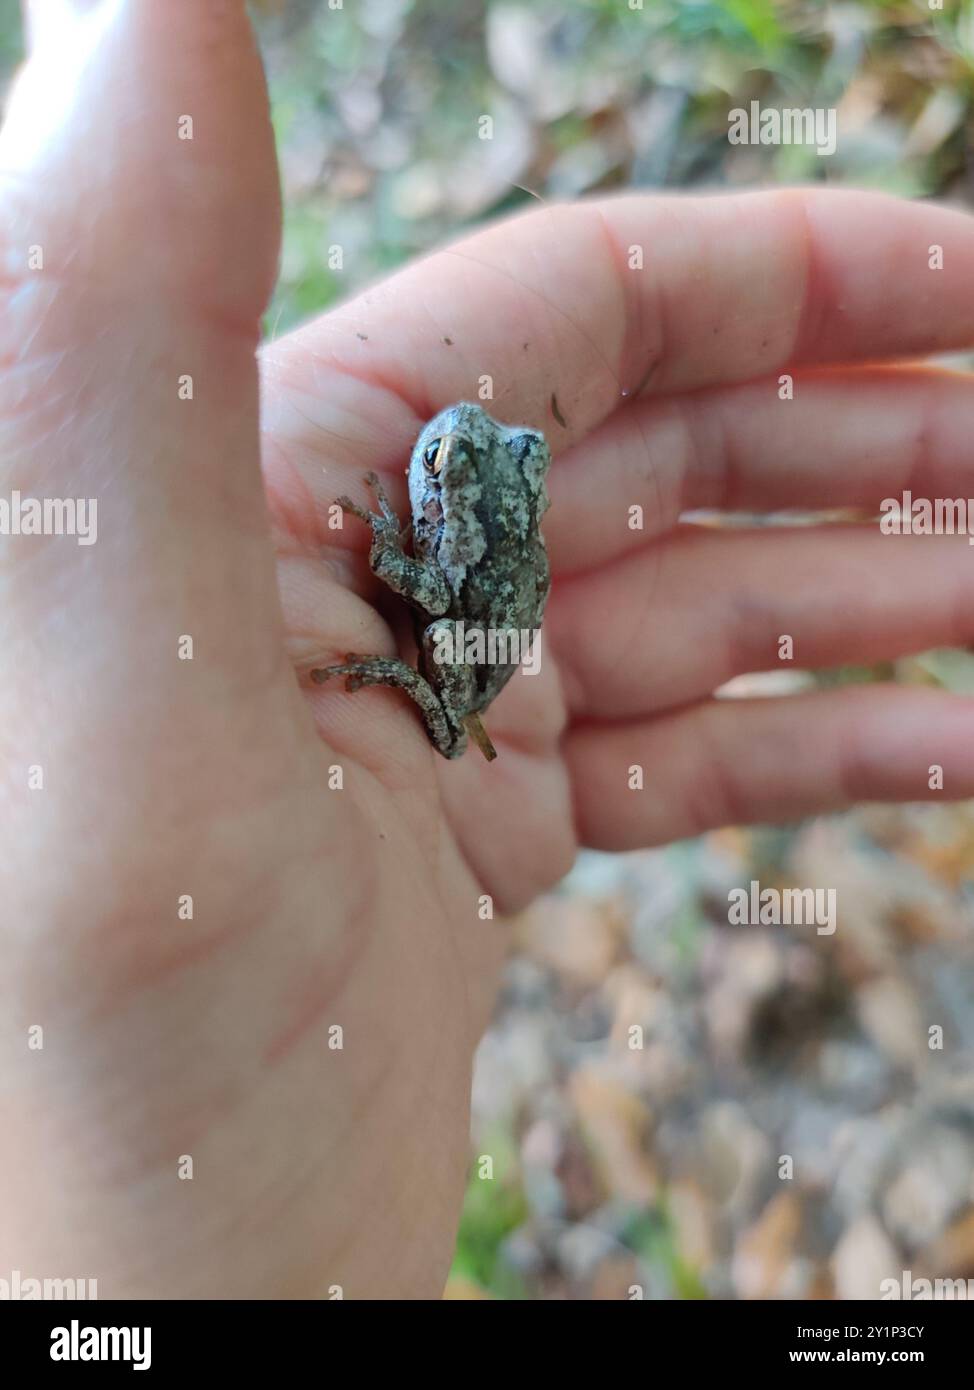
[[661, 1166]]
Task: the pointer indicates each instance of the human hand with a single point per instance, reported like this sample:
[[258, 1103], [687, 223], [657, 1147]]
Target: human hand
[[315, 908], [658, 387]]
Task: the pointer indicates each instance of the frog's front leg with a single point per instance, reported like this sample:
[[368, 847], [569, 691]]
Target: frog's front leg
[[383, 670], [420, 583]]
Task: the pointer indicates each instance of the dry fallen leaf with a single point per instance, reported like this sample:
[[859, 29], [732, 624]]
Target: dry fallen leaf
[[616, 1125], [765, 1252]]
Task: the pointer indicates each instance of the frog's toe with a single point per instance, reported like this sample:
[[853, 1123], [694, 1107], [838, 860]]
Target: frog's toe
[[347, 505], [325, 673]]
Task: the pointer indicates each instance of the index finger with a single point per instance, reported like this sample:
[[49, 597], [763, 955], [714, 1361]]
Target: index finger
[[556, 316]]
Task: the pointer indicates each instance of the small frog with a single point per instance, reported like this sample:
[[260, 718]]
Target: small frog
[[477, 493]]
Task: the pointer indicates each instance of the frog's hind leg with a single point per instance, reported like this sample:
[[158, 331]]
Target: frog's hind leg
[[454, 681], [382, 670]]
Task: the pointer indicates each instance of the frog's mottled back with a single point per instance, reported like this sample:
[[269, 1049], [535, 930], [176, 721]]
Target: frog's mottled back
[[477, 493]]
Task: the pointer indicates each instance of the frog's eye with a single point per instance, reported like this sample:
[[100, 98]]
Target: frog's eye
[[431, 455]]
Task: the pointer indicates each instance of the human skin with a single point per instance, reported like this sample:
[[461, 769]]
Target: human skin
[[360, 908]]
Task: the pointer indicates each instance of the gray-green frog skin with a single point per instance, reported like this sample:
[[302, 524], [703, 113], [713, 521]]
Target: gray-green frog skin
[[477, 493]]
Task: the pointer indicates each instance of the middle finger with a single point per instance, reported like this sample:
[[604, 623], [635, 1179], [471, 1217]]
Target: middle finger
[[666, 626]]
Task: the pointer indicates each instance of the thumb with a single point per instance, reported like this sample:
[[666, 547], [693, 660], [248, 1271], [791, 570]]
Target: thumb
[[139, 225]]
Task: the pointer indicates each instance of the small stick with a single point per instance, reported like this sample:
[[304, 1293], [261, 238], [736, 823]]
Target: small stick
[[481, 738]]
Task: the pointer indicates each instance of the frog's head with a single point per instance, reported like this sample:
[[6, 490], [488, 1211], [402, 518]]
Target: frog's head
[[458, 452], [476, 489], [447, 451], [444, 470]]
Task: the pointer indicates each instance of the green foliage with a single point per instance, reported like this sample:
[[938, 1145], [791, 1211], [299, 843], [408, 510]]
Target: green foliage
[[745, 23], [650, 1235], [11, 39], [492, 1209]]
